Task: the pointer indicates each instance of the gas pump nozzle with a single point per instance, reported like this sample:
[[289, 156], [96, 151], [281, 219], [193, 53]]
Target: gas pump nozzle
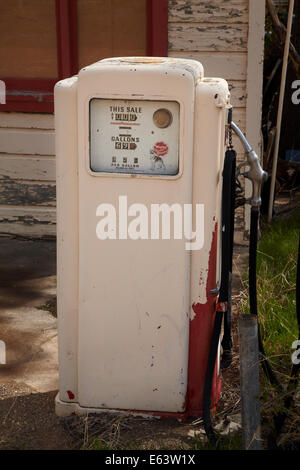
[[255, 173]]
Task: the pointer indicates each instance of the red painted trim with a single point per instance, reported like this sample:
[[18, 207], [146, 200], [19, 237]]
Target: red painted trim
[[28, 83], [67, 38], [34, 95], [201, 327], [157, 28], [74, 37]]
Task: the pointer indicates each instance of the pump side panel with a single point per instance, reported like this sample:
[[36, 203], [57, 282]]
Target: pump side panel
[[211, 100], [133, 294], [67, 235]]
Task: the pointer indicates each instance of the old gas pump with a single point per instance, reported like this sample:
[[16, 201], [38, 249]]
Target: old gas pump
[[140, 146]]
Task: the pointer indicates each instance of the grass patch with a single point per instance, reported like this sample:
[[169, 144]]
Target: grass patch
[[276, 296], [276, 289], [230, 442]]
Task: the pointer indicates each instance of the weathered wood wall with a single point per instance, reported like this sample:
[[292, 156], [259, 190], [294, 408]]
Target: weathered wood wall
[[27, 174], [217, 34], [226, 36]]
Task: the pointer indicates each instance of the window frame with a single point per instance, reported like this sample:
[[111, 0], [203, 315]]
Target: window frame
[[36, 94]]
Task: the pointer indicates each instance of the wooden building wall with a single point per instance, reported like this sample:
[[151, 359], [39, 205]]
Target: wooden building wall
[[227, 37], [27, 174]]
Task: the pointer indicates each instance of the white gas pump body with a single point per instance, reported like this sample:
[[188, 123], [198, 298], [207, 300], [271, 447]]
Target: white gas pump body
[[135, 315]]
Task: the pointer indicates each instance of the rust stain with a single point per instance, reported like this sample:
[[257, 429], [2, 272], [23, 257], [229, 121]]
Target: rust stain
[[200, 333], [70, 395], [198, 307]]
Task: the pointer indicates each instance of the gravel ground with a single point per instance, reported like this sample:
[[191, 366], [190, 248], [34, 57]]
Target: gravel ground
[[28, 421]]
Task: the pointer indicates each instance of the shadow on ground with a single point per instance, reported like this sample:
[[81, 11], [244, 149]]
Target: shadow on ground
[[24, 265], [29, 377]]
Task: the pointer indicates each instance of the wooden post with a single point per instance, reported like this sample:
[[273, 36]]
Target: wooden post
[[255, 59], [249, 378]]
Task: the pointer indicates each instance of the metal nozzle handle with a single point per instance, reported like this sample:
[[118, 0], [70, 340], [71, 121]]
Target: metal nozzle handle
[[256, 174]]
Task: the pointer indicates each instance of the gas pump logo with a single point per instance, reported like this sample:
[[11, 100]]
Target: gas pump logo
[[160, 149]]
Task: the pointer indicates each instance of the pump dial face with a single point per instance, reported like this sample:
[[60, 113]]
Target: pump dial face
[[162, 118], [134, 137]]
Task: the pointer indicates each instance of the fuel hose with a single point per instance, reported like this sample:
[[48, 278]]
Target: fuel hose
[[223, 307], [224, 303]]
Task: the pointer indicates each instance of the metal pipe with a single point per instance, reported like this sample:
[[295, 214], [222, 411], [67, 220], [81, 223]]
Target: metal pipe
[[241, 136]]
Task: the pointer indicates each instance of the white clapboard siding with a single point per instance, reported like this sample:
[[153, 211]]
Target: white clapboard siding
[[238, 93], [27, 193], [27, 141], [214, 11], [27, 174], [217, 34], [239, 117], [28, 221], [231, 66], [26, 120], [207, 37], [27, 167]]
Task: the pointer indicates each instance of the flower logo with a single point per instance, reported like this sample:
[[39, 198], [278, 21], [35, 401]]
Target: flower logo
[[160, 149]]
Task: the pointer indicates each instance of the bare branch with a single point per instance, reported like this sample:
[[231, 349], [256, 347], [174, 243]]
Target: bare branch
[[280, 31]]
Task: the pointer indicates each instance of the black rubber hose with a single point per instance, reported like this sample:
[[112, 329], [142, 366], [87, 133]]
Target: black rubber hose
[[227, 338], [253, 293], [227, 247], [210, 433]]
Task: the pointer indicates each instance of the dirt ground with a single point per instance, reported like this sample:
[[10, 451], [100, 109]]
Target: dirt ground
[[29, 380]]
